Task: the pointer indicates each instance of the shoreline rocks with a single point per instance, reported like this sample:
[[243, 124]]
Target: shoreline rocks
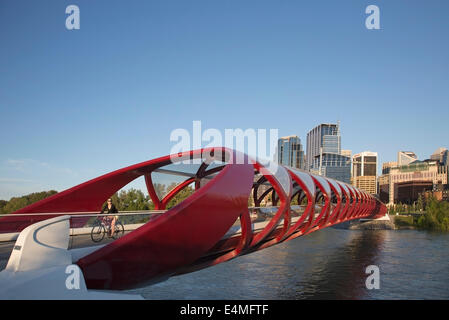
[[372, 225], [387, 224]]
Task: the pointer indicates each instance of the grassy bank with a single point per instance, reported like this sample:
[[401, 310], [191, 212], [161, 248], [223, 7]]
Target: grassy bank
[[434, 218], [404, 222]]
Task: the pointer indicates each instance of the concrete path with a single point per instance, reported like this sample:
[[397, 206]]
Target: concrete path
[[79, 241]]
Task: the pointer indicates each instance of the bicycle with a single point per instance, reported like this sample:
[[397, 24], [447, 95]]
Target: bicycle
[[102, 226]]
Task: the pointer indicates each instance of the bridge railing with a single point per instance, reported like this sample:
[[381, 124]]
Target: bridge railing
[[81, 223]]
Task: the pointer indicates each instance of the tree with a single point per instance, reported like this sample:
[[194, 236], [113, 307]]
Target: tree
[[436, 216], [131, 200], [420, 203], [160, 190], [250, 201], [294, 201], [180, 196], [2, 204], [17, 203]]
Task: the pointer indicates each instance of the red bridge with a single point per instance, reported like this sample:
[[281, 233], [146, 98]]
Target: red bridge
[[213, 225]]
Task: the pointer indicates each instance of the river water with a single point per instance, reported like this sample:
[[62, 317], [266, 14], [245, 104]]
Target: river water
[[327, 264]]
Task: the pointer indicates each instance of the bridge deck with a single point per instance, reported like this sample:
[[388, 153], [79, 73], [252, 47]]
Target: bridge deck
[[84, 240], [79, 241]]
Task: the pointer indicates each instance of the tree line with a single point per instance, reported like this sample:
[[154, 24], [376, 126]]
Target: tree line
[[124, 200], [402, 208], [136, 200], [435, 214], [16, 203]]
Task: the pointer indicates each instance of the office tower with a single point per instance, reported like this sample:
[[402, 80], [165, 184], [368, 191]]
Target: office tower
[[324, 153], [290, 152], [364, 171]]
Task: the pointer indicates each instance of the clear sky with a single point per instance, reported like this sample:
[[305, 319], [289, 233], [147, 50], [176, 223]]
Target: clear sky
[[75, 104]]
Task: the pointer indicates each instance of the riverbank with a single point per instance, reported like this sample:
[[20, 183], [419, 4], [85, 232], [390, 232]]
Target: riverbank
[[387, 223], [372, 225], [403, 222]]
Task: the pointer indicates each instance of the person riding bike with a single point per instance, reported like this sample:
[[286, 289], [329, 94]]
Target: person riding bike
[[109, 207]]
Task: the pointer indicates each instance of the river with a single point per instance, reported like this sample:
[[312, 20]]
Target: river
[[327, 264]]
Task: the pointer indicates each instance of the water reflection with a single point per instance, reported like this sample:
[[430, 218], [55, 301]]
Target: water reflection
[[327, 264], [342, 275]]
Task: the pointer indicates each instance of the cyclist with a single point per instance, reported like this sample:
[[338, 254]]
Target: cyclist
[[109, 207]]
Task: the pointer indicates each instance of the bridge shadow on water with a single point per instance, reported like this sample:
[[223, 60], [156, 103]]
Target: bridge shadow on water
[[340, 275], [327, 264]]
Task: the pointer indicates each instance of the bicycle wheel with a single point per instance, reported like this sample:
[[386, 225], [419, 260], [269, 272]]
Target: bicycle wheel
[[97, 233], [119, 230]]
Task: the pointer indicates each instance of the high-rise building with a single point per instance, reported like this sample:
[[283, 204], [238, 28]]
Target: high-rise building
[[384, 181], [364, 171], [290, 152], [322, 139], [384, 188], [324, 153], [406, 157], [441, 155]]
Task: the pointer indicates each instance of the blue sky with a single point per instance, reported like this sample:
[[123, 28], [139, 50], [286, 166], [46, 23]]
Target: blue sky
[[77, 104]]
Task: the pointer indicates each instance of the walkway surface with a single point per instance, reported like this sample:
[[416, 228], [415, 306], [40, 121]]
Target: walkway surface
[[79, 241]]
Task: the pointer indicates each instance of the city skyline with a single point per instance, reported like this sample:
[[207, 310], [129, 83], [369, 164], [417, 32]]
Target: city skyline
[[374, 179], [77, 104]]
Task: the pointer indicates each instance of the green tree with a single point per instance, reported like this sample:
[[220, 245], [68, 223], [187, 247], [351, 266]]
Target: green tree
[[294, 201], [17, 203], [132, 200], [160, 190], [250, 200], [436, 216], [420, 203], [180, 196], [2, 204]]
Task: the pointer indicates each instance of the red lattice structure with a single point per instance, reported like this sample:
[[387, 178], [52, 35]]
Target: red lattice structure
[[212, 225]]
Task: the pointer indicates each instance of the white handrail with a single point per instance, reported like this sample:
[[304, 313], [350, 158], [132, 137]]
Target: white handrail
[[81, 214]]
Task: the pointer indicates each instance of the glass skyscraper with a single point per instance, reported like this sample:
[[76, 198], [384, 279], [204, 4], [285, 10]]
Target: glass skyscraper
[[324, 153], [290, 152]]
